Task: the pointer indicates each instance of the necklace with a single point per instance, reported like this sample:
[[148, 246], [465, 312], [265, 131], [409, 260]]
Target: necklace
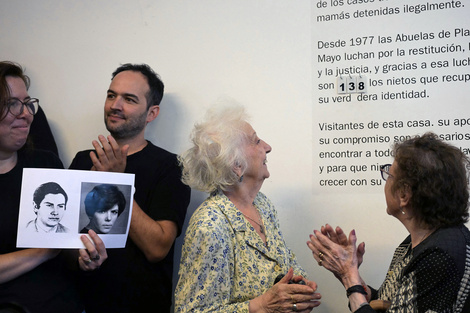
[[424, 237], [261, 227]]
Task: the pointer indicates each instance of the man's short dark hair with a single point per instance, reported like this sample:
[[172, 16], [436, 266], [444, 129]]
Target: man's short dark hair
[[8, 68], [48, 188], [156, 87], [102, 198]]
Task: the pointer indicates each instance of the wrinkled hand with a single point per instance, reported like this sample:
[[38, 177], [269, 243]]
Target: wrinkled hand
[[94, 253], [282, 296], [338, 259], [108, 156], [339, 237]]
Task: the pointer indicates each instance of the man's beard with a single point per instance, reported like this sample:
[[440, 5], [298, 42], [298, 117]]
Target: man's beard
[[129, 129]]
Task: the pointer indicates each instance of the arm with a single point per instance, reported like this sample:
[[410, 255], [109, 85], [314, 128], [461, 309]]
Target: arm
[[17, 263], [154, 238], [206, 267]]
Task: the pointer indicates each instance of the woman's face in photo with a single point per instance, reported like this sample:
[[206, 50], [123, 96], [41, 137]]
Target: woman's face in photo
[[103, 221]]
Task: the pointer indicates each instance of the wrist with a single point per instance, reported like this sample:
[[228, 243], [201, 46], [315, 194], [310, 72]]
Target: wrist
[[351, 280], [360, 288]]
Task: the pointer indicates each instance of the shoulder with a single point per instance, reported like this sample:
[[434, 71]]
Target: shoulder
[[153, 159], [152, 151], [209, 216], [82, 161], [446, 246], [40, 159], [450, 239]]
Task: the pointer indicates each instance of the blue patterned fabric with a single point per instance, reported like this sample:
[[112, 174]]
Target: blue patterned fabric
[[224, 262]]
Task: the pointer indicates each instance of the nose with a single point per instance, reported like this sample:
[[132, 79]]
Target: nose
[[108, 216], [23, 112], [54, 211], [267, 147], [116, 104]]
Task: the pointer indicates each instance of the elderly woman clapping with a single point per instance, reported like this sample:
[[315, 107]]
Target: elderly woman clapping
[[234, 249], [426, 190]]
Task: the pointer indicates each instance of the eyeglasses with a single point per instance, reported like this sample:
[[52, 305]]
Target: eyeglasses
[[16, 106], [385, 171]]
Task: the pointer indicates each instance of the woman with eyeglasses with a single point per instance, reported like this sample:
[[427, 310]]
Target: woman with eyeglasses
[[426, 190], [38, 280]]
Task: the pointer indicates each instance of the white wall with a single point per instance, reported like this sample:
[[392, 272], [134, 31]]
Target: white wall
[[256, 52]]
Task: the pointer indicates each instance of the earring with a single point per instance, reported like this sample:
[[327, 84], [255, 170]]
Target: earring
[[241, 179], [402, 211]]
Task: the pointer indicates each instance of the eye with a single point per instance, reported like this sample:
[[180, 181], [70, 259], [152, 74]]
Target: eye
[[131, 100], [110, 96]]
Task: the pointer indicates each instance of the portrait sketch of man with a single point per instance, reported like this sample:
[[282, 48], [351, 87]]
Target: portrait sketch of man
[[49, 205], [66, 204]]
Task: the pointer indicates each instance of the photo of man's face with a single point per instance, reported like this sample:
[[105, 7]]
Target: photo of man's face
[[50, 210]]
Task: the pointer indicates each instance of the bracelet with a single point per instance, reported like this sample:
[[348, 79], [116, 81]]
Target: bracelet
[[356, 288], [361, 305]]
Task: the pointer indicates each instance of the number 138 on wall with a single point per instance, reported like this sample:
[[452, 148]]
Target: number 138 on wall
[[352, 84]]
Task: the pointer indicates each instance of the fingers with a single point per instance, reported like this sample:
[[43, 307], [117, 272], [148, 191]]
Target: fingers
[[94, 253], [288, 276], [361, 249], [303, 302], [108, 155], [352, 237]]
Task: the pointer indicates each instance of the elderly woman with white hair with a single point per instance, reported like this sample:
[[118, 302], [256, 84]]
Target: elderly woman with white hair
[[234, 249]]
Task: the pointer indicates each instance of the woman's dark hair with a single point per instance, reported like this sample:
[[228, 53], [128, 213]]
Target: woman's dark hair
[[8, 68], [436, 174], [102, 198]]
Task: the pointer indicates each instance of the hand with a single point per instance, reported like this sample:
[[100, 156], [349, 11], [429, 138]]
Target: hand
[[341, 260], [282, 296], [109, 157], [339, 237], [94, 253]]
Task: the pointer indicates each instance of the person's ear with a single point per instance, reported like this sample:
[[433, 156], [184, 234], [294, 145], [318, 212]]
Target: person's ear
[[238, 170], [35, 208], [405, 195], [152, 113]]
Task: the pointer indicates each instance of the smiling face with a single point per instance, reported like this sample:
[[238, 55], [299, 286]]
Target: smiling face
[[50, 211], [256, 151], [125, 112], [103, 221], [14, 130]]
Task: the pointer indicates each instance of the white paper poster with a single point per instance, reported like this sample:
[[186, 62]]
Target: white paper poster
[[58, 206]]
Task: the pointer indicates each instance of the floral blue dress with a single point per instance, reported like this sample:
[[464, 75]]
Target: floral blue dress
[[224, 262]]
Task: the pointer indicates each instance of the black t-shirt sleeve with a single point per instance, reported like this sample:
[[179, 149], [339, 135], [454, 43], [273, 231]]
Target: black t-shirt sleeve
[[81, 161], [169, 197]]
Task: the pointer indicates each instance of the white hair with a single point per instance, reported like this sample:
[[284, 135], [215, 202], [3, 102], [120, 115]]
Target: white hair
[[218, 149]]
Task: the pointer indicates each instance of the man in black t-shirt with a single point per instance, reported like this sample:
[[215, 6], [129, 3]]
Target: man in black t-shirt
[[137, 278]]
